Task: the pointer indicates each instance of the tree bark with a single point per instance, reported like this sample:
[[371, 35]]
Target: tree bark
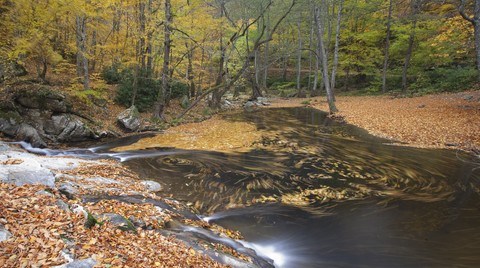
[[161, 98], [337, 44], [387, 47], [324, 61], [265, 57], [411, 42], [475, 21], [299, 56], [82, 60], [190, 76]]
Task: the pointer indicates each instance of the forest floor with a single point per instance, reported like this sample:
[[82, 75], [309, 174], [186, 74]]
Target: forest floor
[[432, 121]]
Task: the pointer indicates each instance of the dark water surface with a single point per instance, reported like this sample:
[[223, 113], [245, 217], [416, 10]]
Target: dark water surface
[[349, 199]]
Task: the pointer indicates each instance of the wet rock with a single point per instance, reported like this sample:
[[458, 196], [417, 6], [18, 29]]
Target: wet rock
[[28, 172], [118, 221], [68, 189], [152, 186], [4, 234], [130, 119]]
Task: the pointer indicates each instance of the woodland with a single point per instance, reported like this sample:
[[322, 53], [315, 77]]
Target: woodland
[[239, 133], [159, 50]]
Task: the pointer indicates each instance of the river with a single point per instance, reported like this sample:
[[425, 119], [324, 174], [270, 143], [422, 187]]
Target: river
[[325, 194]]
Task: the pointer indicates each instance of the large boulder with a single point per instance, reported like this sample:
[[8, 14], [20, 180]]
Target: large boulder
[[130, 119], [37, 115], [29, 134], [68, 128]]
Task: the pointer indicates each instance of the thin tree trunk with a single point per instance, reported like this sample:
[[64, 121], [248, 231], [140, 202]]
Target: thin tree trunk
[[190, 76], [265, 56], [149, 48], [141, 41], [299, 56], [93, 51], [284, 71], [161, 99], [82, 60], [324, 61], [337, 44], [310, 56], [411, 42], [387, 47], [475, 21]]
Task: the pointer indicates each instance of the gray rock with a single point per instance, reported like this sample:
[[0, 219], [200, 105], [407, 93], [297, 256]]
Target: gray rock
[[29, 134], [468, 97], [60, 163], [61, 176], [28, 172], [262, 99], [43, 192], [71, 128], [68, 189], [102, 180], [43, 99], [129, 119], [4, 234], [62, 205], [152, 186], [249, 104], [85, 263], [118, 221]]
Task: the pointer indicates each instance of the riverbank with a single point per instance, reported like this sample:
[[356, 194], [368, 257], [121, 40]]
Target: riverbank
[[433, 121], [63, 211]]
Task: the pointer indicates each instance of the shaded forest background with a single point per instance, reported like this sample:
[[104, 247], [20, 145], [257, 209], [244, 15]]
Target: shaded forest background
[[159, 50]]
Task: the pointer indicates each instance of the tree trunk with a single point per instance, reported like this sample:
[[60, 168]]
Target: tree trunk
[[337, 42], [411, 42], [141, 31], [387, 47], [310, 56], [299, 56], [190, 76], [93, 52], [82, 60], [324, 61], [161, 98], [265, 57], [42, 70], [475, 20], [149, 48]]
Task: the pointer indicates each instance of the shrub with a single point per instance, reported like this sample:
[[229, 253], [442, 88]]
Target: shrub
[[147, 90], [112, 74], [178, 89], [445, 79]]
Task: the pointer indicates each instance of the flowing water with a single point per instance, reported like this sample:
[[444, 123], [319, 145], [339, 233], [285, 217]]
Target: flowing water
[[322, 194]]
